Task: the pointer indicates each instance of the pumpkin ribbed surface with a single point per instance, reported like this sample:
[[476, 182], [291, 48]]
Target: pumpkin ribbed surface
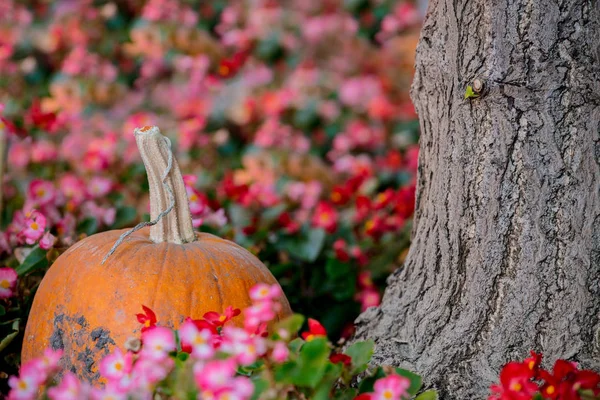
[[86, 308]]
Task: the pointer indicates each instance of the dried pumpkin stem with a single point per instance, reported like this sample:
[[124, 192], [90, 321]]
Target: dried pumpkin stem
[[170, 216]]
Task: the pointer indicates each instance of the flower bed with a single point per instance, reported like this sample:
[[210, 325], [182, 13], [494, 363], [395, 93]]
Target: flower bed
[[292, 124]]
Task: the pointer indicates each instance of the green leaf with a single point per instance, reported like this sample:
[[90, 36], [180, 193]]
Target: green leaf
[[2, 311], [260, 386], [367, 385], [89, 226], [292, 324], [239, 216], [346, 394], [310, 367], [9, 338], [34, 261], [305, 248], [124, 217], [415, 380], [428, 395], [272, 213], [470, 93], [295, 345], [361, 353], [332, 373], [335, 268]]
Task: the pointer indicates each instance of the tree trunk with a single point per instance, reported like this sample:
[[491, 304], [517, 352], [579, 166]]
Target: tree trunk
[[506, 241]]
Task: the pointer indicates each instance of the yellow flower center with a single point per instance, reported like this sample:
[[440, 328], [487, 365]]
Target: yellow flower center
[[336, 196], [199, 340], [370, 224], [531, 364], [550, 389], [264, 291], [118, 366], [41, 192], [4, 284], [516, 387], [223, 69], [388, 394], [34, 226], [222, 318], [193, 197], [23, 385], [310, 337], [147, 323]]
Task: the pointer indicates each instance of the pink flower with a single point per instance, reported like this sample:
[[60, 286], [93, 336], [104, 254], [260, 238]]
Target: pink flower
[[99, 186], [258, 313], [325, 217], [8, 282], [215, 375], [242, 345], [43, 151], [200, 340], [198, 201], [158, 343], [26, 385], [72, 188], [116, 365], [35, 224], [19, 154], [69, 389], [41, 192], [392, 387], [262, 292], [369, 298], [280, 352], [47, 241], [216, 219], [147, 372], [109, 393], [23, 388], [49, 362]]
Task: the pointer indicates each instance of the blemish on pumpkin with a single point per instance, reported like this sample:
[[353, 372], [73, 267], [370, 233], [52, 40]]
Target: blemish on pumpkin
[[81, 321], [102, 338], [87, 358], [56, 339]]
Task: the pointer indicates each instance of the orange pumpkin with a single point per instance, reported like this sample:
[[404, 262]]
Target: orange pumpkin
[[86, 307]]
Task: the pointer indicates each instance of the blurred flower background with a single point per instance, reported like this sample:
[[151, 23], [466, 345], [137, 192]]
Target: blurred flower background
[[291, 120]]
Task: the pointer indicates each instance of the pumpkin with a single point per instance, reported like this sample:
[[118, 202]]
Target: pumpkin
[[86, 307]]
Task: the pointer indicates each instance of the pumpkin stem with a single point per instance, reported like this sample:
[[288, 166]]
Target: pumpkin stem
[[167, 192]]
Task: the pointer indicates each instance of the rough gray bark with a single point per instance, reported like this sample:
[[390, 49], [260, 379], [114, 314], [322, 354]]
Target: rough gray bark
[[506, 242]]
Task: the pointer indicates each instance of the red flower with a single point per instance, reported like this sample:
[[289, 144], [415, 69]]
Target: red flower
[[315, 329], [405, 202], [230, 66], [566, 381], [148, 319], [36, 117], [325, 217], [515, 383], [383, 199], [221, 319], [533, 363], [363, 207], [231, 190], [340, 358], [375, 227], [340, 195], [341, 253], [290, 226], [364, 396]]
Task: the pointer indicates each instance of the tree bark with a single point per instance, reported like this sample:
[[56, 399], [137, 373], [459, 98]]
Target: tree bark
[[506, 240]]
